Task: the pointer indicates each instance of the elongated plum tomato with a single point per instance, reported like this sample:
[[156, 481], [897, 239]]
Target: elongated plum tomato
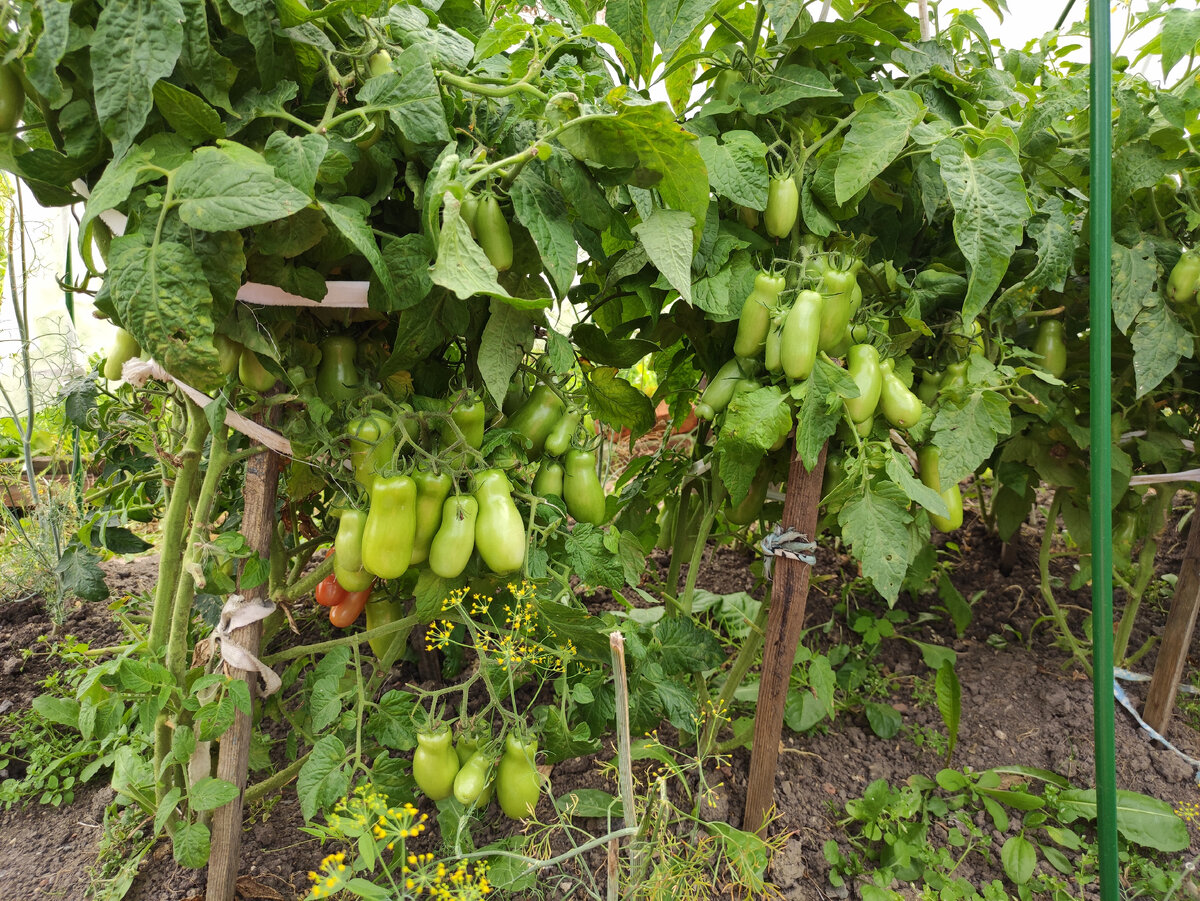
[[783, 204], [499, 529], [454, 542], [345, 613], [518, 783], [435, 764]]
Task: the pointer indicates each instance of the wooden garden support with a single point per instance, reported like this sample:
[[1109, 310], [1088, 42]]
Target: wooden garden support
[[1177, 636], [258, 525], [789, 594]]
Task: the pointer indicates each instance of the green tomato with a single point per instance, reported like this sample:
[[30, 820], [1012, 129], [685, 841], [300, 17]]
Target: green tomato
[[549, 479], [372, 444], [836, 310], [451, 548], [380, 63], [469, 415], [928, 459], [435, 764], [499, 530], [773, 352], [472, 785], [518, 783], [537, 418], [469, 211], [347, 543], [801, 336], [560, 436], [125, 347], [900, 406], [12, 101], [1184, 281], [493, 233], [582, 489], [755, 319], [229, 354], [1051, 348], [433, 489], [337, 379], [719, 391], [783, 205], [751, 506], [387, 542], [862, 362], [381, 611], [928, 389], [253, 374]]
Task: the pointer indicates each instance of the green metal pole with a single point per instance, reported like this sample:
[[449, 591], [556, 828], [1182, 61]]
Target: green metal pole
[[1101, 455]]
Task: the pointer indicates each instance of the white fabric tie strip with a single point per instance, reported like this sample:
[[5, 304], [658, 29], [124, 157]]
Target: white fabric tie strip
[[237, 613]]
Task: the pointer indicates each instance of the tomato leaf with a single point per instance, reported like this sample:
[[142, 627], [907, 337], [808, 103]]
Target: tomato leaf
[[615, 402], [323, 780], [224, 190], [411, 96], [737, 167], [190, 845], [880, 131], [875, 527], [667, 237], [541, 210], [644, 146], [991, 207], [136, 43], [506, 338]]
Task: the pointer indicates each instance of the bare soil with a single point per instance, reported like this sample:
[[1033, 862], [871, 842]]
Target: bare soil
[[1023, 702]]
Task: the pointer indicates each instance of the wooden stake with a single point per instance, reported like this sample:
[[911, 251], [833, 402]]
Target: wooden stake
[[258, 524], [1177, 636], [789, 594]]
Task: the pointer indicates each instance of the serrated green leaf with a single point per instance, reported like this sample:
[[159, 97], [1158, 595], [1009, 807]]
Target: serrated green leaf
[[1159, 342], [189, 115], [667, 238], [411, 96], [190, 845], [221, 190], [136, 42], [591, 560], [880, 131], [649, 149], [991, 208], [949, 700], [615, 402], [966, 434], [686, 647], [674, 21], [296, 159], [407, 259], [737, 167], [543, 212], [210, 793], [323, 780], [821, 409], [787, 84], [506, 338], [899, 470], [875, 527], [80, 573]]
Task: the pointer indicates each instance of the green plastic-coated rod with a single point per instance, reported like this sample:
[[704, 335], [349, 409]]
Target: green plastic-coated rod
[[1101, 439]]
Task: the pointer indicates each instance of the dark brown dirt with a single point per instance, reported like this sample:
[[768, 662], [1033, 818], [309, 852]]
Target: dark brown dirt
[[1024, 702]]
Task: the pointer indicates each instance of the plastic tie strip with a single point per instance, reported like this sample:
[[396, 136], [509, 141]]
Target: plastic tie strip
[[787, 543], [1123, 700]]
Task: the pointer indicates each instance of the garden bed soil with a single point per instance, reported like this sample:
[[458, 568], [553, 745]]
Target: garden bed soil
[[1023, 702]]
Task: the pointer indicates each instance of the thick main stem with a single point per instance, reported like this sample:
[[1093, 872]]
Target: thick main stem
[[170, 562], [1060, 618], [737, 674]]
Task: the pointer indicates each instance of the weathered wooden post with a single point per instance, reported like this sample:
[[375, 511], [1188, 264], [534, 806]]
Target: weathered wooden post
[[789, 594]]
